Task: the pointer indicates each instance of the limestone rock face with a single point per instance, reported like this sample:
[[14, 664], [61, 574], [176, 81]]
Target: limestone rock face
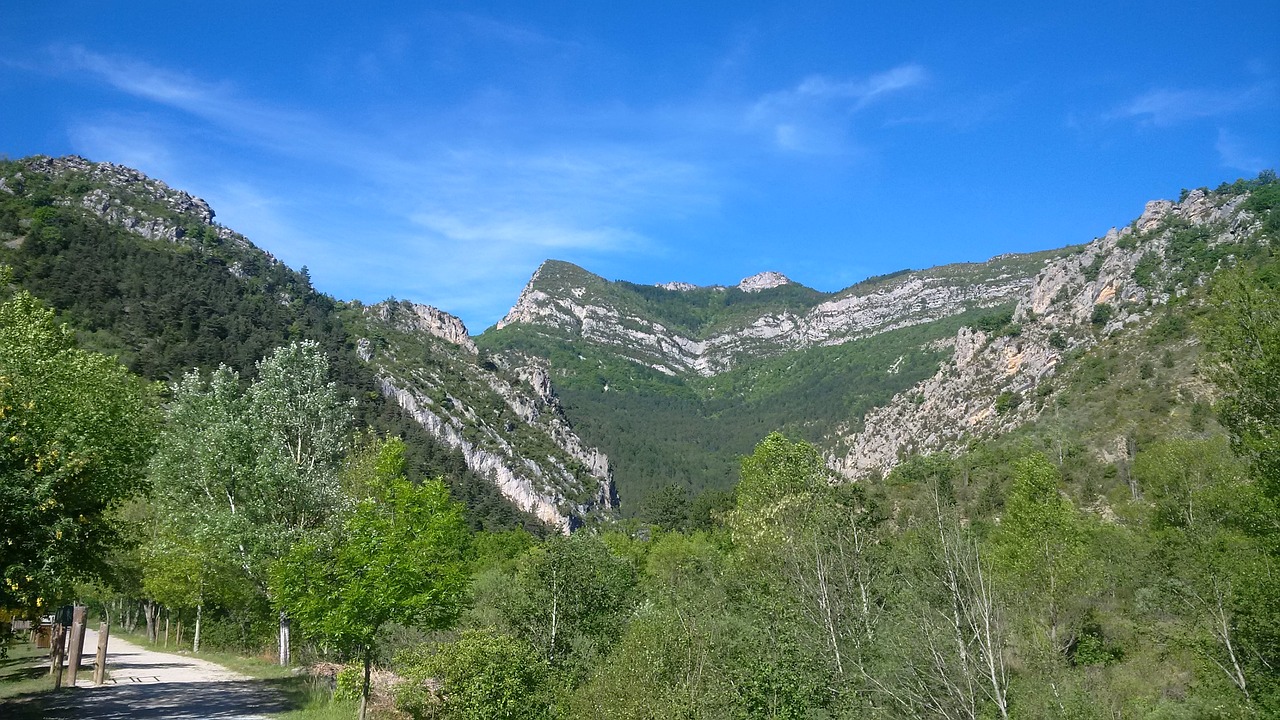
[[504, 418], [676, 286], [127, 198], [425, 319], [1054, 310], [763, 281], [519, 488], [570, 301]]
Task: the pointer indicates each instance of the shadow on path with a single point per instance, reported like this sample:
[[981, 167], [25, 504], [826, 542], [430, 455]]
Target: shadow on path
[[226, 700]]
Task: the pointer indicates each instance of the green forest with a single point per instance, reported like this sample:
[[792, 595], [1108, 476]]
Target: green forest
[[228, 465], [975, 586]]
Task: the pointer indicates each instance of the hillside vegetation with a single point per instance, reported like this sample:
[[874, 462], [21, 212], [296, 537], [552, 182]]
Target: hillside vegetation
[[1071, 511]]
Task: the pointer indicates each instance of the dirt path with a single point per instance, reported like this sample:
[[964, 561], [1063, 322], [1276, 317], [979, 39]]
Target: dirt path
[[150, 685]]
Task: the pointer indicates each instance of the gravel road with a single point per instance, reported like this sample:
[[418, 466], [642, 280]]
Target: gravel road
[[150, 685]]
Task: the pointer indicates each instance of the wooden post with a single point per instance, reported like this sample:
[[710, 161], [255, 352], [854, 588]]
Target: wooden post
[[166, 628], [55, 654], [59, 643], [100, 665], [77, 642]]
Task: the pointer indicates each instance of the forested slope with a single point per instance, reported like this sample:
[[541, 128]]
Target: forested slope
[[140, 272]]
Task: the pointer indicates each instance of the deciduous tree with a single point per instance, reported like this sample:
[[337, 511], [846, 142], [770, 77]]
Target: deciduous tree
[[75, 432], [397, 558]]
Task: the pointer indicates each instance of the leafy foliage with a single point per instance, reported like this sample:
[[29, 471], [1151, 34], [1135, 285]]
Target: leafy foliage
[[219, 303], [75, 433], [483, 674], [253, 471], [662, 431], [398, 558]]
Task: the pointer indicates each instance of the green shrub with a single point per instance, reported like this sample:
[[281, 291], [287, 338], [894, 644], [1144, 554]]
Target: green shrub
[[1007, 401], [1102, 314]]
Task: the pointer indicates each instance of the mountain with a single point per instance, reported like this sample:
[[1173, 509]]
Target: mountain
[[142, 271], [505, 420], [678, 328], [593, 396], [675, 382]]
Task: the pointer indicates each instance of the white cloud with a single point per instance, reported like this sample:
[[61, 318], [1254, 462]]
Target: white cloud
[[1166, 107], [451, 221], [814, 115], [1238, 154], [126, 141], [456, 206]]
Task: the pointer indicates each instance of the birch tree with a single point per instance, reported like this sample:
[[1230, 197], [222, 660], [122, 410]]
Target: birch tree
[[946, 641], [1041, 554], [253, 471], [1203, 502], [816, 548]]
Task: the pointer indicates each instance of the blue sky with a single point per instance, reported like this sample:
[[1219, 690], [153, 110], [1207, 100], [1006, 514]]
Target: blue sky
[[439, 152]]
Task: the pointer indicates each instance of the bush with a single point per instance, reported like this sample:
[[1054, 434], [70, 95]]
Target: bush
[[1145, 269], [1102, 314], [1091, 270], [482, 674], [1007, 401]]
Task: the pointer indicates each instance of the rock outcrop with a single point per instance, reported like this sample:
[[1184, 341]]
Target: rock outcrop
[[413, 317], [763, 281], [677, 286], [1126, 269], [520, 488], [504, 419], [577, 304], [127, 198]]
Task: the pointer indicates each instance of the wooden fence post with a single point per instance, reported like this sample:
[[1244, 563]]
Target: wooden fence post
[[55, 655], [77, 642], [100, 667]]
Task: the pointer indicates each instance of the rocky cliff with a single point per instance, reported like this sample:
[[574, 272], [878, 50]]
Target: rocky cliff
[[126, 198], [505, 419], [1073, 303], [570, 302]]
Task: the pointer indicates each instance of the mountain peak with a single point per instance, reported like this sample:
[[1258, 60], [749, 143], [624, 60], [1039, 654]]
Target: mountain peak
[[677, 286], [553, 278], [424, 318], [763, 281]]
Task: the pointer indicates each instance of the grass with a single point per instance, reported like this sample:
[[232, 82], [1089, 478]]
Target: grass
[[26, 670], [320, 706]]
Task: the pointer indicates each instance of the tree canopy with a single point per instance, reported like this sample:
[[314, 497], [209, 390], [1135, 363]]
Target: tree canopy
[[75, 433]]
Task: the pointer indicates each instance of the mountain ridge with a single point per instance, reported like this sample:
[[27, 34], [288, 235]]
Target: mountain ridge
[[992, 370], [593, 392]]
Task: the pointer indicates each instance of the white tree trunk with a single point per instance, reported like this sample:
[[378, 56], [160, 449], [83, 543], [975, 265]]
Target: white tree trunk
[[284, 639], [195, 646]]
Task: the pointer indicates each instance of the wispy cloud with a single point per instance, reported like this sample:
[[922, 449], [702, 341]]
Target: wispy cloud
[[459, 223], [143, 80], [245, 121], [515, 35], [1238, 154], [126, 140], [1166, 107], [814, 115], [458, 203]]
